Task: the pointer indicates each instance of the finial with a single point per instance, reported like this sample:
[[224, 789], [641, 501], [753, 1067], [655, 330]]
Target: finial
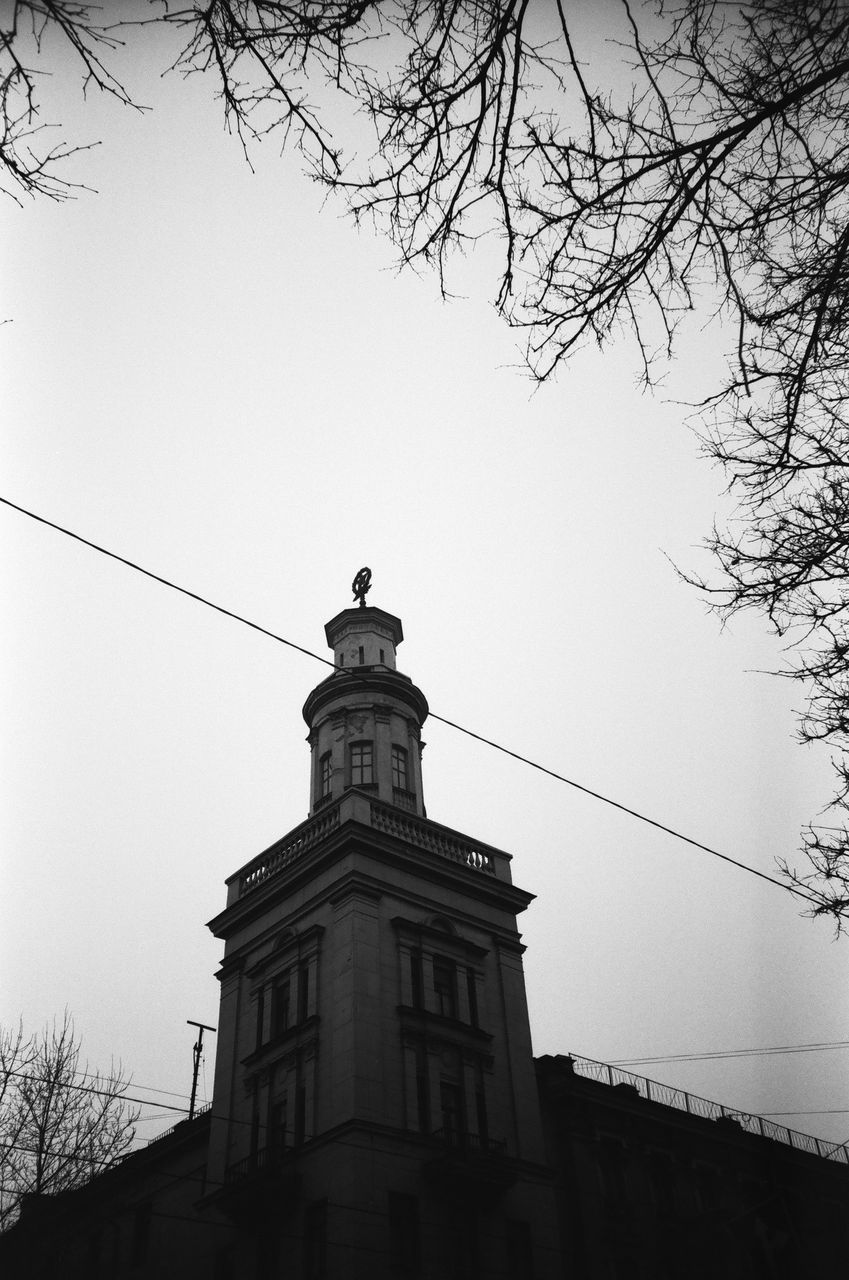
[[360, 585]]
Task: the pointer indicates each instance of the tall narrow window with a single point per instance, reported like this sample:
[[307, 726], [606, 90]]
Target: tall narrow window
[[472, 989], [141, 1232], [362, 768], [451, 1104], [300, 1113], [260, 1017], [399, 768], [362, 655], [278, 1124], [445, 986], [281, 1006], [315, 1241], [465, 1249], [422, 1091], [303, 992], [405, 1251], [520, 1253], [325, 774], [480, 1108], [416, 979]]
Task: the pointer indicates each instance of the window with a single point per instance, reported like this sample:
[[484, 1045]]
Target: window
[[451, 1104], [260, 1017], [141, 1232], [399, 768], [362, 655], [362, 770], [382, 659], [520, 1254], [472, 989], [465, 1252], [300, 1113], [405, 1254], [315, 1241], [278, 1123], [303, 992], [281, 1006], [445, 986], [325, 774], [480, 1108], [422, 1091], [416, 979], [611, 1164]]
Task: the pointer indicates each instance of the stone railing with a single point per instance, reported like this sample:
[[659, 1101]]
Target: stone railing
[[435, 839], [695, 1106], [287, 850], [355, 805]]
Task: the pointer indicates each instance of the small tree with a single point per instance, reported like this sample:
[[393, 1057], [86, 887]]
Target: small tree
[[59, 1123]]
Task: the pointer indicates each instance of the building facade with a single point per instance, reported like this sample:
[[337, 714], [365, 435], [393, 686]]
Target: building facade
[[377, 1111]]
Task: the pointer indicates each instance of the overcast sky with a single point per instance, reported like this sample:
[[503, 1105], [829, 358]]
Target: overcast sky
[[213, 373]]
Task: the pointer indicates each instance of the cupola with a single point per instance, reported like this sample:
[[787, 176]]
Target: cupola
[[365, 720]]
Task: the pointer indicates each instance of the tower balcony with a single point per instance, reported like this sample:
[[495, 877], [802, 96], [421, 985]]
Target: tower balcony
[[394, 822]]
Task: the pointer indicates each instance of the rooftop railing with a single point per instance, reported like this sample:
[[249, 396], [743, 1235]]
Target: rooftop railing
[[669, 1096]]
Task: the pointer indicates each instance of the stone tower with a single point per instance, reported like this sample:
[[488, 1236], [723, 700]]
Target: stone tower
[[375, 1107]]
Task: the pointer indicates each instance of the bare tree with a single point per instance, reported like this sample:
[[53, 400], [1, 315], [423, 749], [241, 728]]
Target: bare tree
[[60, 1124], [35, 37], [715, 178], [701, 162]]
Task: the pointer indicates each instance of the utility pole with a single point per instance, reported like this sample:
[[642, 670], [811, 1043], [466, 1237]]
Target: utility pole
[[196, 1052]]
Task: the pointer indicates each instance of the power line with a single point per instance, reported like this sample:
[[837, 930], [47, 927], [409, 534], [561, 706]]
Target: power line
[[838, 1111], [533, 764], [108, 1093], [769, 1051]]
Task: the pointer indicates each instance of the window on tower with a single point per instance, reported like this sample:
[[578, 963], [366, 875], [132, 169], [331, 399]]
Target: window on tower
[[362, 764], [325, 774], [399, 768]]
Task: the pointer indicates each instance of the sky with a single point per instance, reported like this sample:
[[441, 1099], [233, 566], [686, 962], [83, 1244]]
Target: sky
[[209, 370]]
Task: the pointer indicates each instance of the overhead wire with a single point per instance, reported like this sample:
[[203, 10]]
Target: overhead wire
[[110, 1093], [717, 1055], [351, 674]]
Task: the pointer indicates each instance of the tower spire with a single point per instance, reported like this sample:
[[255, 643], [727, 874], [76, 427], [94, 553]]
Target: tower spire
[[365, 720], [361, 584]]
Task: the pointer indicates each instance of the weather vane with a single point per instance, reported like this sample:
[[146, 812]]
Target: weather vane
[[360, 585]]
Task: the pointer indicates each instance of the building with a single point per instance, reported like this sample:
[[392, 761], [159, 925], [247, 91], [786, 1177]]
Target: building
[[377, 1110]]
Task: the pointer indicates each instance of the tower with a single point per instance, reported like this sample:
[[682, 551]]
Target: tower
[[376, 1110]]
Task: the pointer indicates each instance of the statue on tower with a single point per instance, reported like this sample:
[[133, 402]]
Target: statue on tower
[[360, 585]]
